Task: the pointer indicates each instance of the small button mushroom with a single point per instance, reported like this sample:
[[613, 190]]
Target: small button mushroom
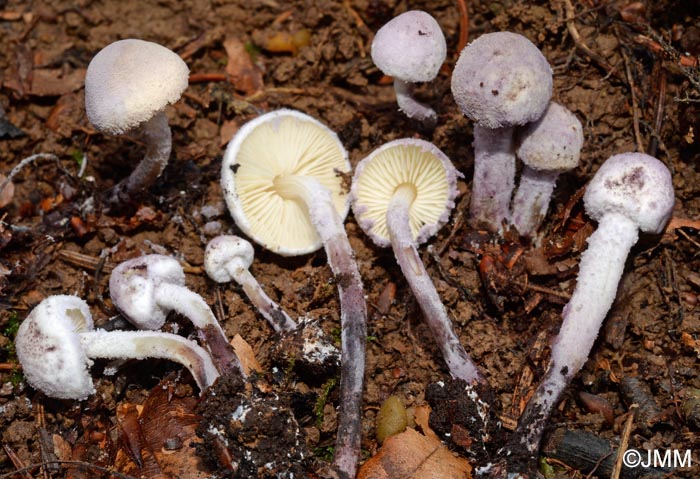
[[57, 340], [402, 193], [227, 258], [500, 80], [629, 192], [411, 48], [547, 147], [128, 84], [282, 180], [148, 288]]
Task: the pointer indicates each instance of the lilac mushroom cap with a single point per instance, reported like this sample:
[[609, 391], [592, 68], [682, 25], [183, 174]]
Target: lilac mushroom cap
[[500, 80], [411, 48], [547, 147], [629, 192]]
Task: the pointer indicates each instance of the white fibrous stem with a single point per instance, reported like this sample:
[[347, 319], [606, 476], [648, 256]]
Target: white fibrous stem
[[353, 313], [271, 311], [174, 297], [494, 177], [151, 344], [157, 136], [600, 271], [531, 199], [410, 106], [458, 361]]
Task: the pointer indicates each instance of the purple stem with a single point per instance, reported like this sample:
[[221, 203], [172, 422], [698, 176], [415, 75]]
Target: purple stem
[[531, 200], [494, 177], [410, 106]]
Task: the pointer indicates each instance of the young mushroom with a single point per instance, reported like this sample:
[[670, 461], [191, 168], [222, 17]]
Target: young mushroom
[[630, 192], [547, 147], [501, 80], [227, 258], [402, 193], [282, 180], [411, 48], [146, 289], [128, 84], [57, 340]]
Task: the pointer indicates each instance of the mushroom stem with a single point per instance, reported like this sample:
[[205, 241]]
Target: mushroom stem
[[353, 312], [175, 297], [458, 361], [494, 177], [600, 271], [150, 344], [157, 136], [410, 106], [278, 319], [531, 199]]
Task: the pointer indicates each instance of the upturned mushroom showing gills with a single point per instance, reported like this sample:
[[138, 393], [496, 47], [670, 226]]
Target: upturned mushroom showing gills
[[501, 80], [411, 48], [282, 180], [56, 342], [629, 192], [547, 147], [128, 84], [146, 289], [402, 193]]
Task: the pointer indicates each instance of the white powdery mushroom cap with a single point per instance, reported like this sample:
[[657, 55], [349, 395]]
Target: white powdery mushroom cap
[[401, 162], [410, 47], [552, 143], [222, 251], [51, 354], [502, 79], [128, 81], [635, 185], [134, 282], [276, 145]]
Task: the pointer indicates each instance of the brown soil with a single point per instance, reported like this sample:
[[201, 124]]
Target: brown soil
[[627, 93]]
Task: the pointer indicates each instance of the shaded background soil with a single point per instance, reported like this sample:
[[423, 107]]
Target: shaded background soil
[[631, 90]]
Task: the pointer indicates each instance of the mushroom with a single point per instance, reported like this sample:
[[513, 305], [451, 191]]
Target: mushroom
[[411, 48], [402, 193], [147, 288], [128, 84], [57, 340], [500, 80], [227, 258], [282, 180], [630, 191], [547, 147]]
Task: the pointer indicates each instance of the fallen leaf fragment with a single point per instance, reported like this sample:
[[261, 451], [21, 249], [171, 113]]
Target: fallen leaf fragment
[[245, 75], [245, 355], [411, 455], [7, 193]]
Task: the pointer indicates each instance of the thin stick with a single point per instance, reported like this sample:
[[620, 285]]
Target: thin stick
[[80, 464], [624, 440], [635, 106], [463, 25], [24, 163]]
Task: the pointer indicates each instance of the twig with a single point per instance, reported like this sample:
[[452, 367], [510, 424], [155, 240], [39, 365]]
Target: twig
[[24, 163], [624, 441], [80, 464], [635, 106], [463, 25]]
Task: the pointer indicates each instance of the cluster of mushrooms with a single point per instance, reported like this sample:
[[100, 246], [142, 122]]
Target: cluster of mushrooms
[[282, 178]]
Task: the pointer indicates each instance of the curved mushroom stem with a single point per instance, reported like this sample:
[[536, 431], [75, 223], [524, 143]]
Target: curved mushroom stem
[[494, 177], [157, 136], [458, 361], [276, 316], [191, 305], [411, 107], [531, 199], [151, 344], [600, 270], [353, 313]]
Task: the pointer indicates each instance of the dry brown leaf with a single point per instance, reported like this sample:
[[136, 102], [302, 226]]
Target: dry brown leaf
[[8, 193], [411, 455], [245, 355], [245, 75], [421, 415], [55, 82]]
